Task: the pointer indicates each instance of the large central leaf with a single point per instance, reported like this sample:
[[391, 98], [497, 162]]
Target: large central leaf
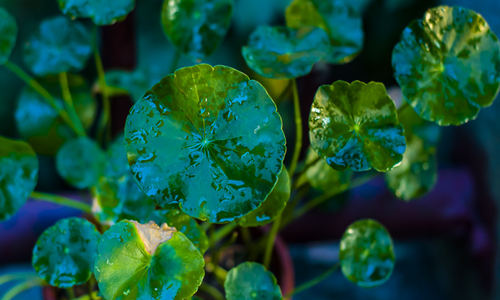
[[208, 138]]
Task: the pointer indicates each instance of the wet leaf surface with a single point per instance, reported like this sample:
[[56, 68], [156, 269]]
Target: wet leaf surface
[[128, 268], [196, 27], [102, 12], [355, 125], [64, 254], [209, 139], [448, 65], [249, 281], [366, 253], [18, 175], [59, 45], [8, 35]]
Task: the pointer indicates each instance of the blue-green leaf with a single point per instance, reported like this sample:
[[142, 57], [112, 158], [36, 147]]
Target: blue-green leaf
[[209, 139], [136, 83], [8, 35], [102, 12], [250, 281]]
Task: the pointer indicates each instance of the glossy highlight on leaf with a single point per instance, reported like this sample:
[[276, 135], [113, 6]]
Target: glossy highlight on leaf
[[137, 261], [250, 281], [355, 125], [8, 35], [448, 65], [341, 19], [196, 27], [209, 139], [59, 45], [102, 12], [272, 206], [366, 253], [417, 173], [282, 52], [18, 175], [80, 162], [64, 254]]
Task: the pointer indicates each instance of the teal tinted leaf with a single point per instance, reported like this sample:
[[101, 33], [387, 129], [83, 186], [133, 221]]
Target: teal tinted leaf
[[59, 45], [64, 254], [250, 281], [102, 12], [355, 125], [137, 261], [281, 52], [366, 253], [80, 162], [117, 195], [272, 206], [39, 123], [341, 19], [8, 35], [448, 65], [185, 224], [417, 173], [135, 83], [18, 175], [209, 139], [323, 177], [196, 27]]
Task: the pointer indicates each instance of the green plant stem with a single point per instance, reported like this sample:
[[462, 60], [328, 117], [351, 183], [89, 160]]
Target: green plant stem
[[298, 128], [212, 291], [312, 282], [71, 293], [68, 99], [104, 131], [221, 233], [16, 276], [37, 87], [21, 287], [270, 241], [61, 201], [175, 61]]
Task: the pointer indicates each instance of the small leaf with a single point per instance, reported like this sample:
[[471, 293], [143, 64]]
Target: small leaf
[[39, 123], [64, 254], [339, 18], [185, 224], [417, 173], [117, 195], [102, 12], [80, 162], [366, 253], [59, 45], [8, 35], [355, 125], [281, 52], [196, 27], [209, 139], [272, 206], [137, 261], [448, 65], [249, 281], [136, 83], [18, 175]]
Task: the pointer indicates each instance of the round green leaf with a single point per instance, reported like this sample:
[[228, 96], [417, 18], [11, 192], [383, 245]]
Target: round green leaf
[[102, 12], [366, 253], [80, 162], [135, 83], [137, 261], [282, 52], [196, 27], [272, 206], [64, 254], [209, 139], [417, 173], [39, 123], [339, 18], [249, 281], [117, 195], [8, 35], [59, 45], [355, 125], [448, 65], [18, 175], [185, 224]]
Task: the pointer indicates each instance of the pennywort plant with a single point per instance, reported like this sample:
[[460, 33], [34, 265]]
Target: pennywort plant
[[201, 156]]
